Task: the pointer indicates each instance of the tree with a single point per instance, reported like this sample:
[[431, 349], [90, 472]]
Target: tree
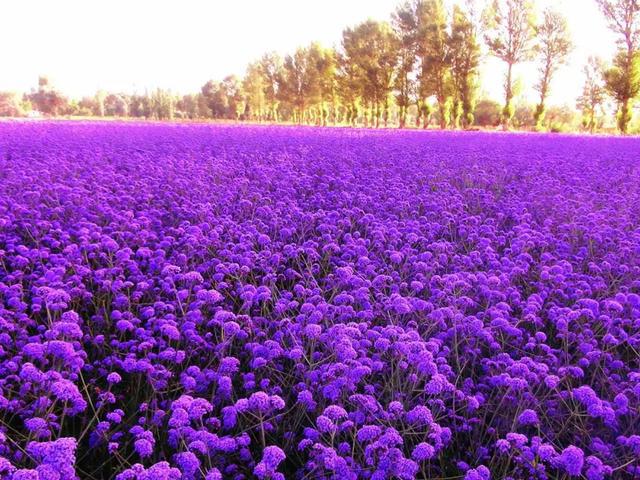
[[425, 111], [372, 47], [433, 48], [116, 105], [140, 106], [231, 90], [554, 47], [270, 66], [326, 65], [465, 61], [309, 82], [623, 78], [187, 106], [523, 116], [561, 118], [253, 85], [509, 26], [47, 99], [405, 25], [10, 105], [593, 93], [86, 106], [488, 113], [99, 99], [162, 104], [215, 99], [622, 82], [349, 89], [299, 82]]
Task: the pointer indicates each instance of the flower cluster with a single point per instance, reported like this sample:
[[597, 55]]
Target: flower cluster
[[206, 302]]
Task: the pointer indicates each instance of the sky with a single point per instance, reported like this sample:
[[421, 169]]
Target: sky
[[133, 45]]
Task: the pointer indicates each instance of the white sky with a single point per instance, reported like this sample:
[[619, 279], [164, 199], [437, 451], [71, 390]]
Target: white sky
[[130, 45]]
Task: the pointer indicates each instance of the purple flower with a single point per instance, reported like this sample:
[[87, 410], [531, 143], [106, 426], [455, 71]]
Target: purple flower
[[595, 469], [356, 298], [571, 460], [420, 415], [325, 424], [35, 424], [479, 473], [25, 474], [422, 452], [528, 417], [59, 455], [213, 474], [335, 412], [143, 447], [259, 402], [271, 458], [188, 464], [368, 433]]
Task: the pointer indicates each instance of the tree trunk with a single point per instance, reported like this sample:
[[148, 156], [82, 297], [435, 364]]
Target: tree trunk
[[624, 116], [506, 114], [385, 114], [540, 109], [442, 107]]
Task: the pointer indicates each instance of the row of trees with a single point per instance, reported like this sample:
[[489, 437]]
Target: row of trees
[[421, 67]]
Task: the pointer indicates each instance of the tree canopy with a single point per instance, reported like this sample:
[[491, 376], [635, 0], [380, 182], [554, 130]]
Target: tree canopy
[[421, 68]]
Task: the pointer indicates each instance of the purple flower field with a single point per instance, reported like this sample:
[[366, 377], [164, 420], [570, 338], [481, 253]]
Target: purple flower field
[[209, 302]]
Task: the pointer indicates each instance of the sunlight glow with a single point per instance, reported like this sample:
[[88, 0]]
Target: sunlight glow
[[133, 45]]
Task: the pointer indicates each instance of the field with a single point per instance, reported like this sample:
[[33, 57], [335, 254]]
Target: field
[[207, 302]]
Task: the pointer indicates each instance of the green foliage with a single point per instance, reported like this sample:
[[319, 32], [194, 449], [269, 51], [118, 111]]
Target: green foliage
[[425, 111], [488, 113], [325, 63], [224, 99], [622, 82], [422, 66], [348, 89], [465, 61], [554, 46], [372, 48], [162, 105], [622, 79], [191, 106], [405, 25], [509, 29], [561, 118], [253, 86], [539, 115], [270, 68], [558, 128], [140, 106], [593, 93], [116, 105], [508, 112], [47, 99], [435, 56], [299, 83], [523, 116], [232, 90], [509, 34], [624, 20], [10, 105]]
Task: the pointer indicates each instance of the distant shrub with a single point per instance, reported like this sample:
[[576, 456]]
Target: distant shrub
[[487, 113]]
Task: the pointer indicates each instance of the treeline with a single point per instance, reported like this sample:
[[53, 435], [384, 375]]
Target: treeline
[[420, 68]]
